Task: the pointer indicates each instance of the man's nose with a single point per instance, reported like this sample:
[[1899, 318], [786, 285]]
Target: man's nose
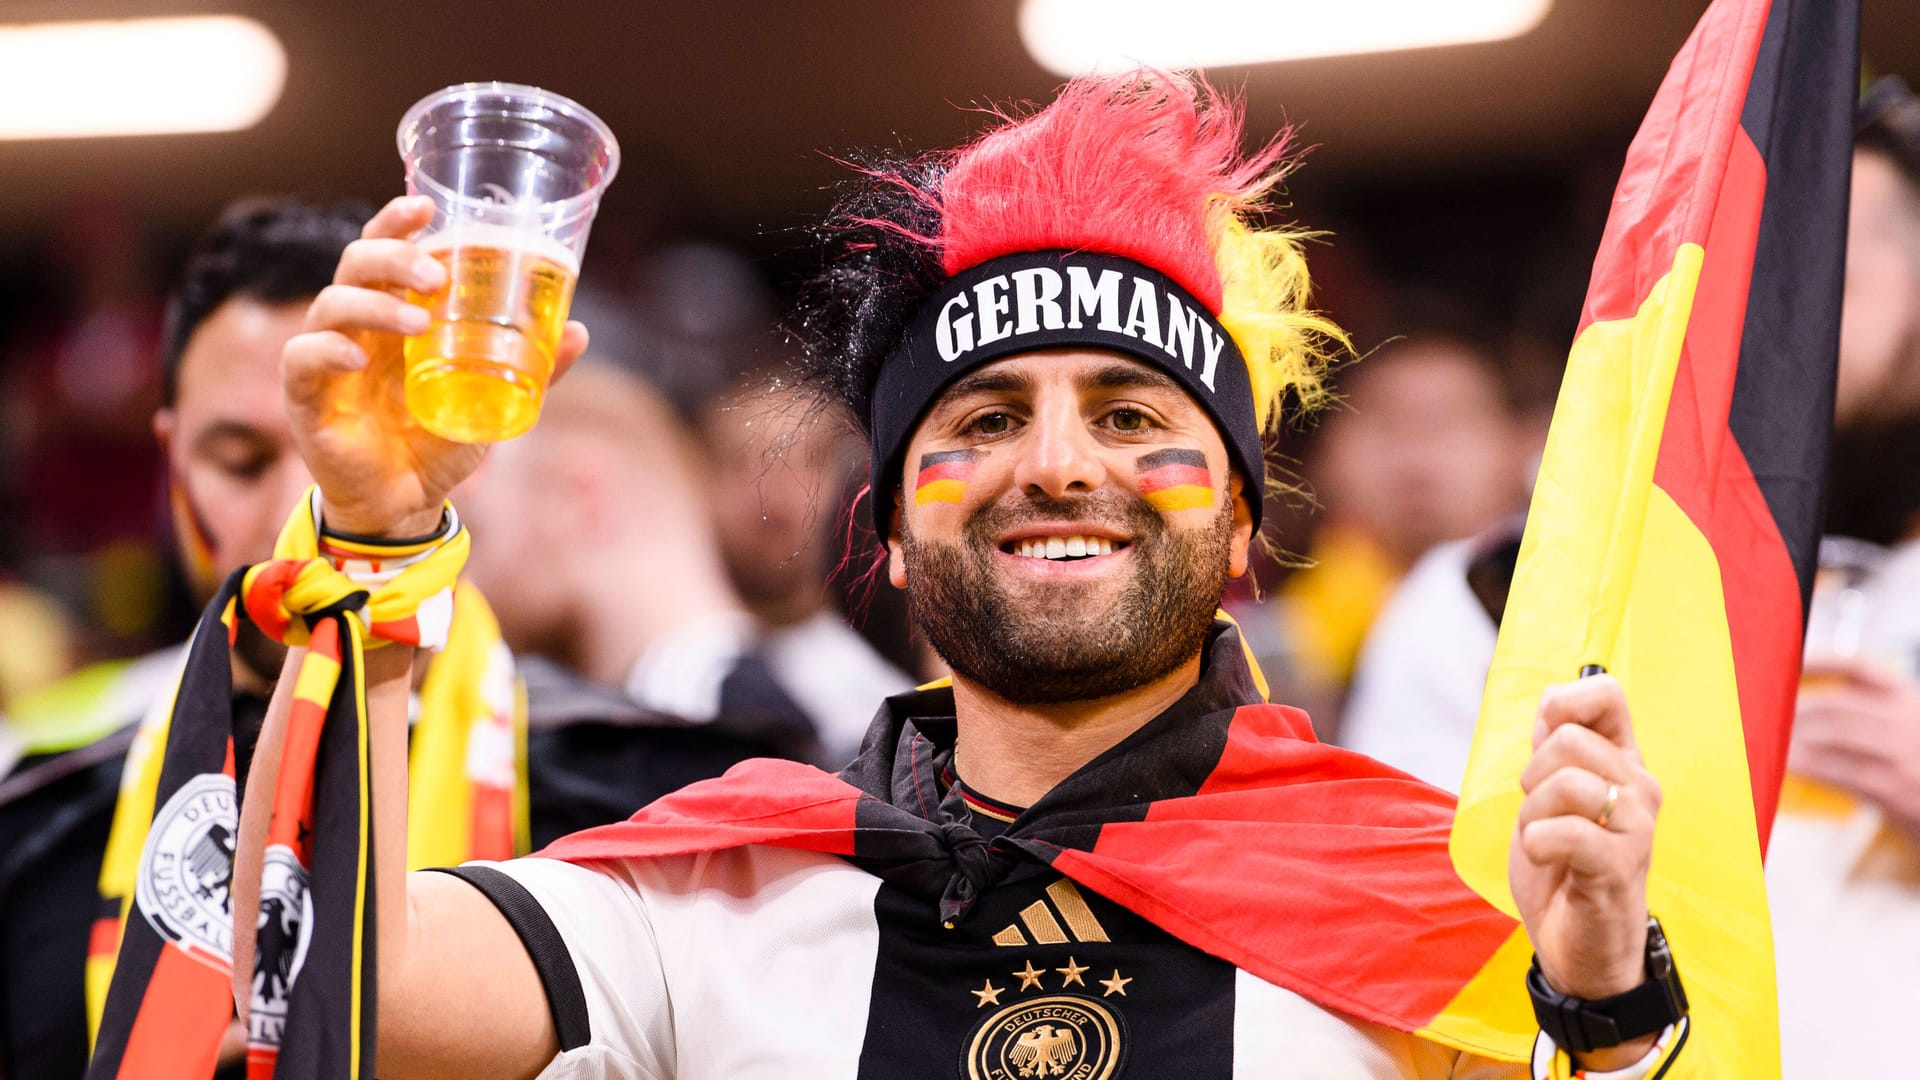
[[1060, 457]]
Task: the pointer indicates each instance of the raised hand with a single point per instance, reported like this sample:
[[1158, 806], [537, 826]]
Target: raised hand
[[380, 473], [1578, 865], [1857, 727]]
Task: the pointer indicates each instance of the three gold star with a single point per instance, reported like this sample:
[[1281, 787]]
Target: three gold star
[[1072, 971], [1115, 985], [1030, 976], [988, 994]]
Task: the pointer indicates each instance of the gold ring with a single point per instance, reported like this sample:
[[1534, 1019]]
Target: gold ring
[[1606, 812]]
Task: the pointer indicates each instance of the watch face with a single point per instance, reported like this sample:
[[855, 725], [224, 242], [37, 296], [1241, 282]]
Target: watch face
[[1659, 954]]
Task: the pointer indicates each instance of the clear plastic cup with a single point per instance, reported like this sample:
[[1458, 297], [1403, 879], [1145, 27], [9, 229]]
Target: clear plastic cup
[[515, 174]]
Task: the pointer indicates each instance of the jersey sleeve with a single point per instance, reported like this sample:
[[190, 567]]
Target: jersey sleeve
[[593, 946]]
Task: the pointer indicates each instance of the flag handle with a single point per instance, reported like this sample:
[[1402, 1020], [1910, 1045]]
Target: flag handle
[[1589, 670]]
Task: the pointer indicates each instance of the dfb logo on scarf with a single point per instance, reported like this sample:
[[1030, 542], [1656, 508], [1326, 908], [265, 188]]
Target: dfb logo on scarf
[[185, 883], [283, 933]]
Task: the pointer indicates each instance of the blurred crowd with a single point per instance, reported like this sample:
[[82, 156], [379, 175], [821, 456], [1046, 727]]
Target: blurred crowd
[[677, 560]]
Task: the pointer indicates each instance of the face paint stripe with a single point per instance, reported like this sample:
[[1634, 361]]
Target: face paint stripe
[[1171, 456], [946, 470], [1183, 497], [951, 491], [939, 457], [1170, 476]]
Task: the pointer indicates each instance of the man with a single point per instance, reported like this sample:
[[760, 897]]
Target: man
[[1066, 480], [595, 548], [1843, 871], [1424, 448], [779, 472], [232, 469]]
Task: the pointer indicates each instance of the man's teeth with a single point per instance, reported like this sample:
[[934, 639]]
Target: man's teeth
[[1063, 547]]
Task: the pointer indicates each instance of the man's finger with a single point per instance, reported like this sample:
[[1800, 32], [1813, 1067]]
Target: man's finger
[[1849, 730], [1857, 670], [1576, 792], [573, 342], [310, 362], [1576, 843], [388, 263], [1834, 766], [1596, 702], [351, 308], [1582, 747], [401, 217]]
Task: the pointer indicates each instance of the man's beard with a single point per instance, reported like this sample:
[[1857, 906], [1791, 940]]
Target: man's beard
[[1076, 648]]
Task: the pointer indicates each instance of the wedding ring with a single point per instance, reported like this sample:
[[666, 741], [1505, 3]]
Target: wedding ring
[[1606, 812]]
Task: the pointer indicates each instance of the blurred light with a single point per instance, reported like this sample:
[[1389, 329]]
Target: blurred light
[[63, 80], [1074, 37]]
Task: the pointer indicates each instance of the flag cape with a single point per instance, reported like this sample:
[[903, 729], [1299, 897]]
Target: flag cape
[[1674, 522], [1222, 821]]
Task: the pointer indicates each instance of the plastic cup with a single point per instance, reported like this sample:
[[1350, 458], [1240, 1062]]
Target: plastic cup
[[1839, 622], [515, 174]]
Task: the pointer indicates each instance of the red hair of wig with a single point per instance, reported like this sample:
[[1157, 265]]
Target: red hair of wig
[[1147, 166]]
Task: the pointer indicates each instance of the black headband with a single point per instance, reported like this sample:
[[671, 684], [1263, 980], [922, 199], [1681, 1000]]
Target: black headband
[[1047, 300]]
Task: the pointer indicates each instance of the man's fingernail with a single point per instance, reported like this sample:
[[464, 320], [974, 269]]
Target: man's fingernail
[[415, 320], [427, 275]]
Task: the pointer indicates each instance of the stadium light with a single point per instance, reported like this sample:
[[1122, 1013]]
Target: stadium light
[[1074, 37], [66, 80]]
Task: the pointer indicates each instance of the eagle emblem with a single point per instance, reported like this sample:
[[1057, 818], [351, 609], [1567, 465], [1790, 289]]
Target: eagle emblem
[[1044, 1051], [1064, 1035], [185, 880]]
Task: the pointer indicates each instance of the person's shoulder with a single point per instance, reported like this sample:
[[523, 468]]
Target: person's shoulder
[[92, 703], [747, 878]]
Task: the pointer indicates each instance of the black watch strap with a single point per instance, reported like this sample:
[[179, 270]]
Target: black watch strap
[[1580, 1025]]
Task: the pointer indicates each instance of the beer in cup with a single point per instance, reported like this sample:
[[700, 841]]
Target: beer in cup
[[515, 174]]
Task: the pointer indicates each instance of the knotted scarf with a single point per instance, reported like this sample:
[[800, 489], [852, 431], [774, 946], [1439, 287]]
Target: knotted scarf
[[311, 1015]]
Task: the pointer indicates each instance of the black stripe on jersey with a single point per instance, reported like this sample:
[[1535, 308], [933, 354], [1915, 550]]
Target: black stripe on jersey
[[953, 1002], [565, 999]]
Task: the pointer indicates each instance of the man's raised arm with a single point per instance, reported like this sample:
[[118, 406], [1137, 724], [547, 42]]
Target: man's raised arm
[[457, 993]]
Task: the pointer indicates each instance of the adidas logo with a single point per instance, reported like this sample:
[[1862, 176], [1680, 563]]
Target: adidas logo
[[1044, 927]]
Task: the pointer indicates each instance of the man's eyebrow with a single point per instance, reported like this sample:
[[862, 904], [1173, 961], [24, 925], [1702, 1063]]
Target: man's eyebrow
[[229, 429], [1131, 377], [989, 381]]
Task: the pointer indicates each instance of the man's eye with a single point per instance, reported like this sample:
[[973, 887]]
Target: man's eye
[[247, 468], [991, 424], [1128, 420]]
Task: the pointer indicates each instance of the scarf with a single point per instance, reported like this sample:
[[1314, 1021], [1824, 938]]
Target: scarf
[[159, 984]]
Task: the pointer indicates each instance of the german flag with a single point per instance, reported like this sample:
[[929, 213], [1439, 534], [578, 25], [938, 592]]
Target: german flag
[[1674, 523], [944, 476], [1175, 479]]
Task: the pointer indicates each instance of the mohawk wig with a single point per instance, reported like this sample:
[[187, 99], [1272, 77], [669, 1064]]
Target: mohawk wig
[[1145, 166]]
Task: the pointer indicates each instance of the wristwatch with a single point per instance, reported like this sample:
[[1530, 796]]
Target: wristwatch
[[1580, 1025]]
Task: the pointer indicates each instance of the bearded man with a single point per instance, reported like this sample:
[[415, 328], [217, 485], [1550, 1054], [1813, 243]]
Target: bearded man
[[1098, 852]]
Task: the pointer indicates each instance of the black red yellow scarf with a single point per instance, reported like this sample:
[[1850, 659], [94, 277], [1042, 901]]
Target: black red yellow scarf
[[169, 1003]]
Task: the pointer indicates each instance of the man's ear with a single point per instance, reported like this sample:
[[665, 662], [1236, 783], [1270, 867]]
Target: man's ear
[[165, 423], [1242, 539], [896, 549]]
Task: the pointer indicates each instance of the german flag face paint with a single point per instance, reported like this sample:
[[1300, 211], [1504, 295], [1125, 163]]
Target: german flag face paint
[[1175, 479], [944, 476]]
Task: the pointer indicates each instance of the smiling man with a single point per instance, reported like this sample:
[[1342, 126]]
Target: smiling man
[[1098, 852]]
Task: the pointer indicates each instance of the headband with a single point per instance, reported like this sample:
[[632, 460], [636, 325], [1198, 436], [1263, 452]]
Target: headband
[[1049, 300]]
